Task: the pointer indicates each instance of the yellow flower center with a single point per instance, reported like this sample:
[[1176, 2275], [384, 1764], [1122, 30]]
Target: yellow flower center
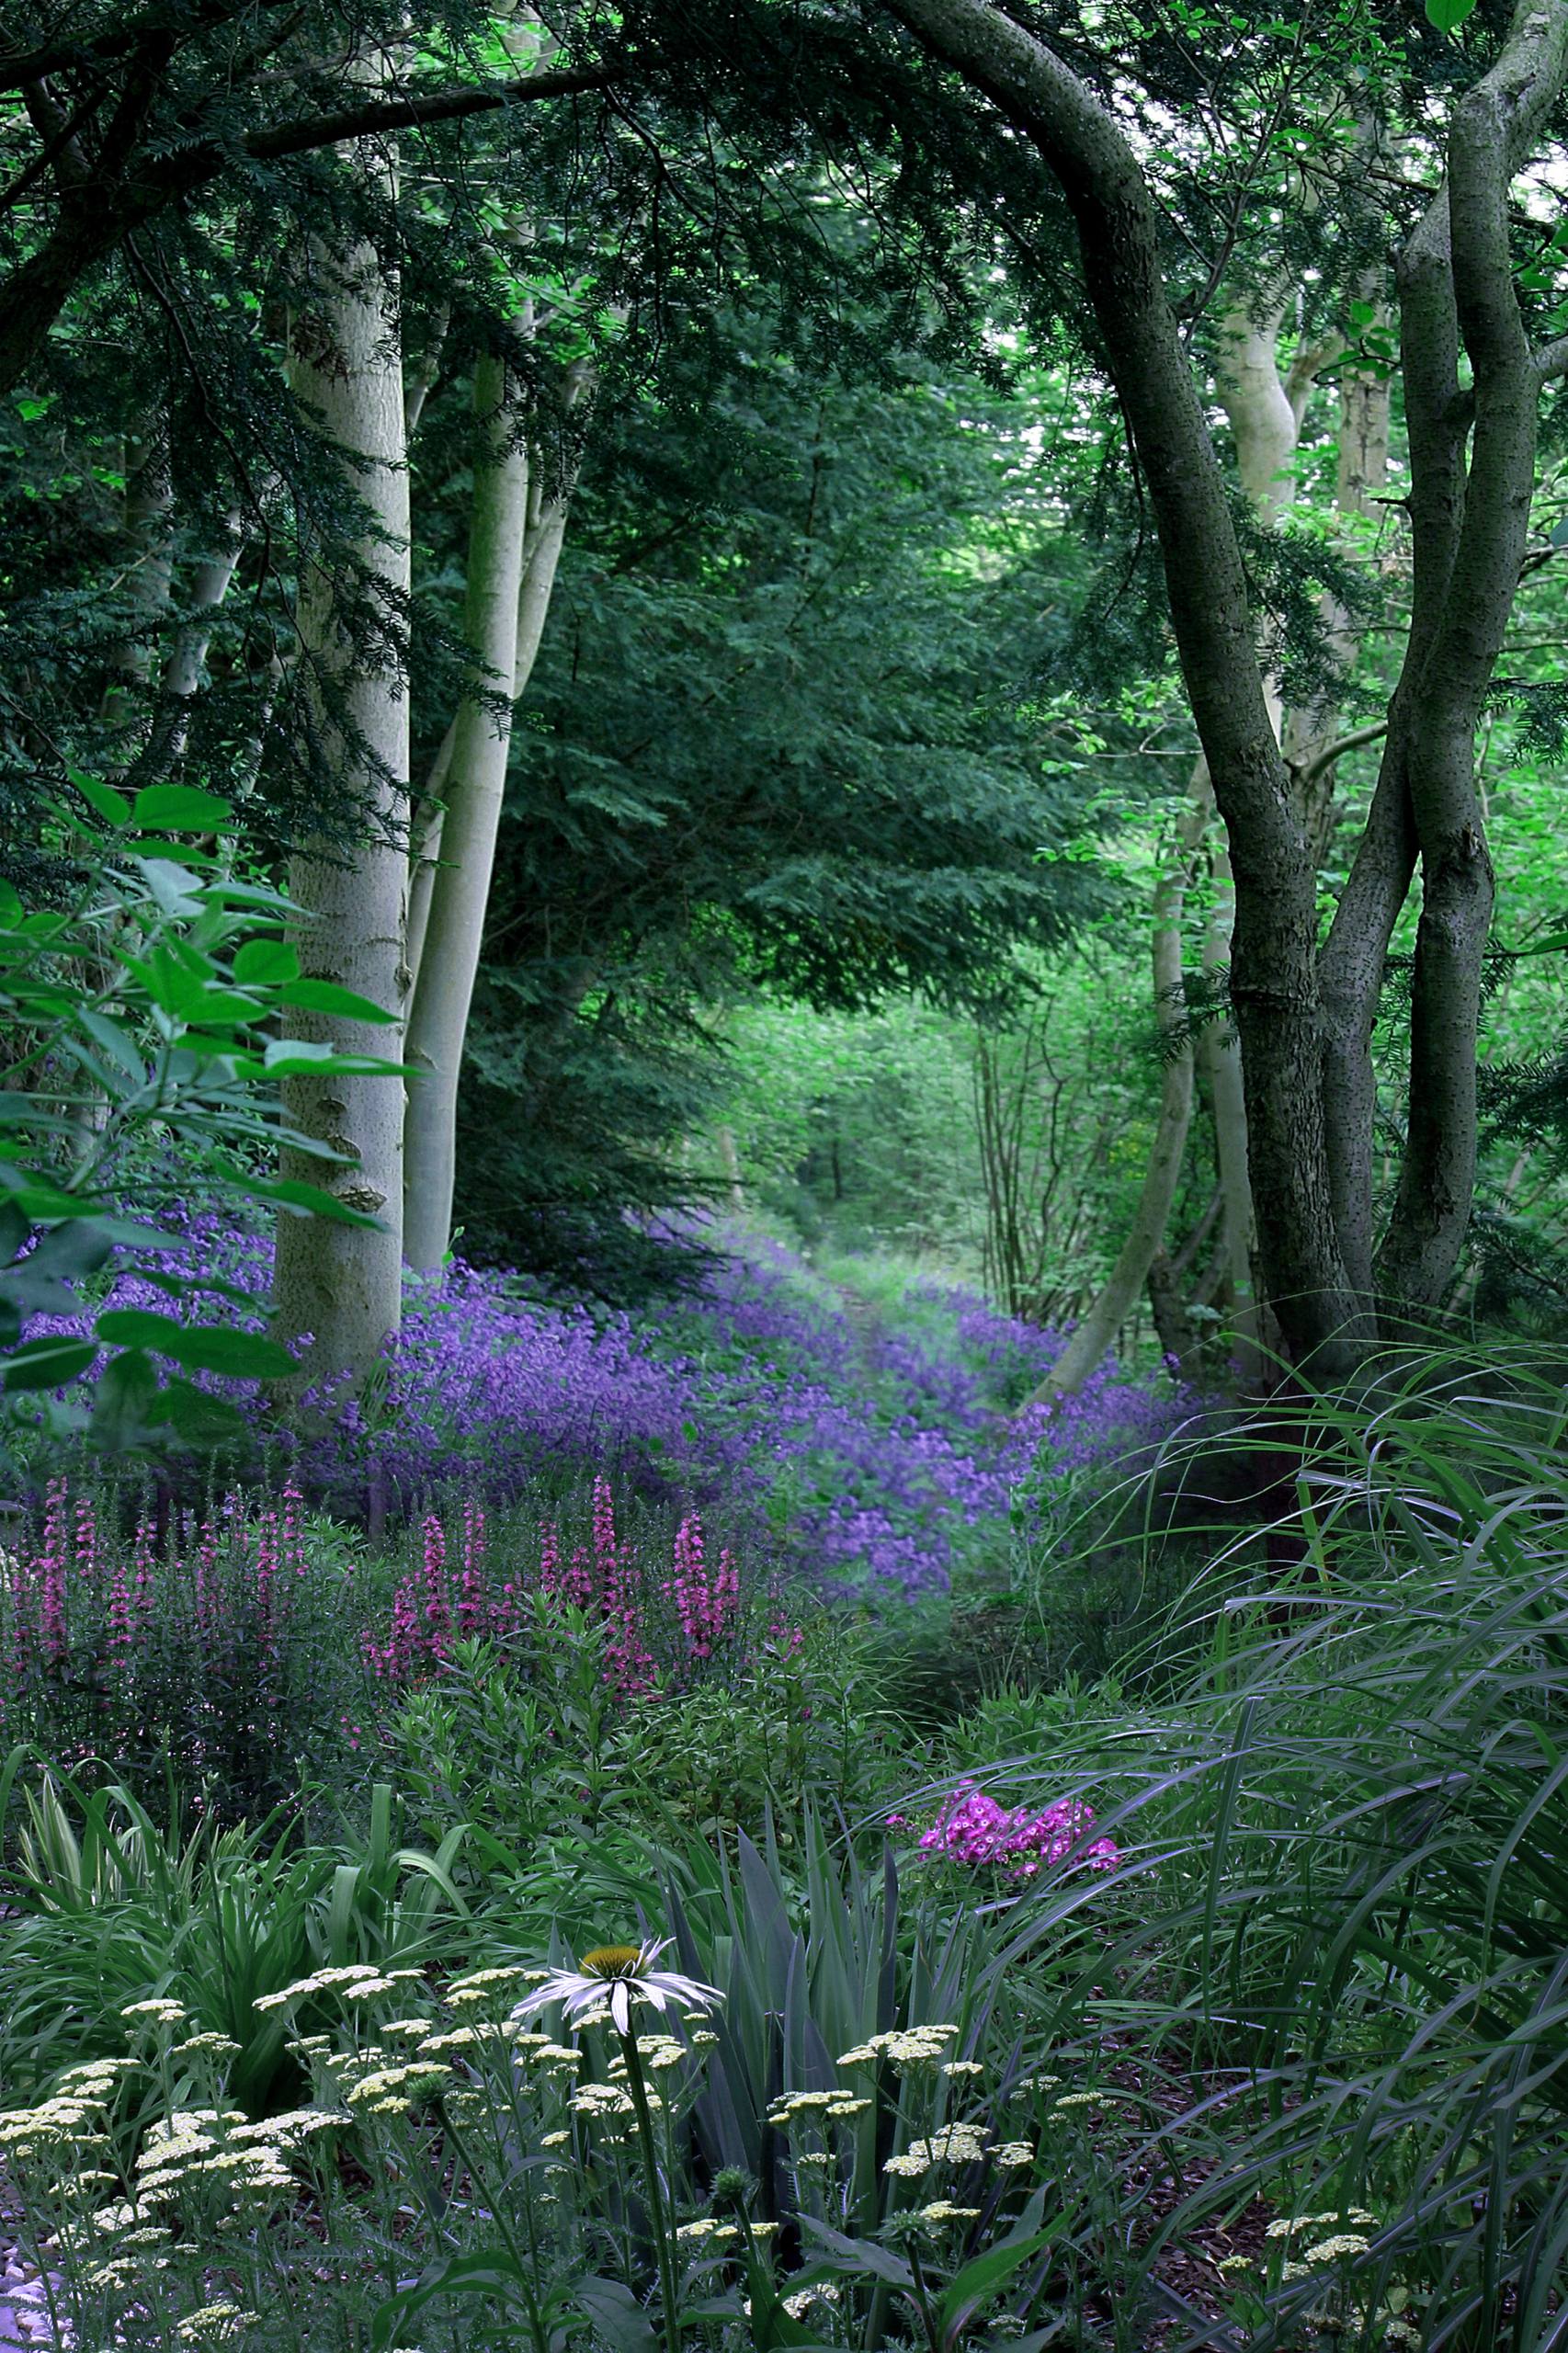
[[611, 1960]]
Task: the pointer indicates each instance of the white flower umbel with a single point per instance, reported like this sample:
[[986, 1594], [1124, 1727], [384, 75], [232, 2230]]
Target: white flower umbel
[[619, 1975]]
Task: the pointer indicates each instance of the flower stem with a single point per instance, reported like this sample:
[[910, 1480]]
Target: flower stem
[[658, 2221]]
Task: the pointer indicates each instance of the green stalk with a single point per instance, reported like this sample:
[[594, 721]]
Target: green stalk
[[657, 2219], [922, 2297]]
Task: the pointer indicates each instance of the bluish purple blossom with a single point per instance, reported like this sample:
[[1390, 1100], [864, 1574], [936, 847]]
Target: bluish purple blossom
[[880, 1455]]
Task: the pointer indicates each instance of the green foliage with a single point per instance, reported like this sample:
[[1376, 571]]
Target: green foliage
[[114, 1911], [532, 1747], [1354, 1842], [796, 753], [139, 1007]]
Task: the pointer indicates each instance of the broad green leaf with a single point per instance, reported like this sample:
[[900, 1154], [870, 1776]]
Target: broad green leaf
[[263, 963], [310, 1200], [493, 2274], [136, 1327], [37, 1199], [1448, 15], [294, 1057], [48, 1364], [197, 1418], [117, 1041], [615, 2314], [326, 997], [860, 2254], [241, 1355], [174, 887], [179, 809], [123, 1397], [979, 2281], [110, 805]]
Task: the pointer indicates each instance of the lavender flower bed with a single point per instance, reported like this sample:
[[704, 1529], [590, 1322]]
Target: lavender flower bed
[[882, 1453]]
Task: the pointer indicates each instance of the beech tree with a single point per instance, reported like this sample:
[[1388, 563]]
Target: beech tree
[[339, 1283], [518, 525]]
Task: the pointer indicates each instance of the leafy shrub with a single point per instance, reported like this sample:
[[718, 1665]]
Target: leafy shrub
[[906, 2185], [223, 1650], [533, 1739], [113, 1915]]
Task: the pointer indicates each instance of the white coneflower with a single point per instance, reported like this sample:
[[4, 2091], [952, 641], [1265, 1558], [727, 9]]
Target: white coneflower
[[619, 1975]]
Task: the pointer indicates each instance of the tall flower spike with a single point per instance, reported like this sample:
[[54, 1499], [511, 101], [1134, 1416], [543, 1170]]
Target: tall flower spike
[[619, 1975]]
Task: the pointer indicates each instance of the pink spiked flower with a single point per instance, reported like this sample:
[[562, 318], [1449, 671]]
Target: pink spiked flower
[[438, 1608], [293, 1531], [51, 1566], [142, 1564], [87, 1542], [471, 1604]]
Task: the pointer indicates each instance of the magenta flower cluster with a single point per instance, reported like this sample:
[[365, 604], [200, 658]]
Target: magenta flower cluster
[[661, 1623], [80, 1601], [132, 1630], [973, 1830]]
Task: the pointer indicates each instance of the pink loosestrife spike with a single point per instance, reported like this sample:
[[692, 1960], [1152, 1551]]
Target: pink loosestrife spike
[[52, 1573], [142, 1558], [87, 1542], [628, 1666], [120, 1612], [476, 1609], [438, 1608], [728, 1590], [206, 1571], [606, 1541], [266, 1573], [549, 1559], [578, 1580], [293, 1531]]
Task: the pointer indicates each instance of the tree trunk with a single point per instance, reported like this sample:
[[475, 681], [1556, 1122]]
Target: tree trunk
[[342, 1284], [149, 527], [1312, 730], [1221, 1062], [1264, 423], [514, 552], [1274, 979], [1096, 1331], [475, 784], [1468, 536], [1463, 250], [181, 680]]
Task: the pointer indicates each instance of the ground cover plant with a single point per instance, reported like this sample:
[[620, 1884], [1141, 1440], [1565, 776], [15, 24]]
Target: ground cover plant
[[1116, 2010]]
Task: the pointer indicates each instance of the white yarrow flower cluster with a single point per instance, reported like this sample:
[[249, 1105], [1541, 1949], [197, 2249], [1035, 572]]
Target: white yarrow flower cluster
[[914, 2046]]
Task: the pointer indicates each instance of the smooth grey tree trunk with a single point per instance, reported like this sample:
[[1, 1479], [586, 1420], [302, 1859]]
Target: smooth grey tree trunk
[[342, 1284], [474, 786], [181, 681], [511, 579]]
